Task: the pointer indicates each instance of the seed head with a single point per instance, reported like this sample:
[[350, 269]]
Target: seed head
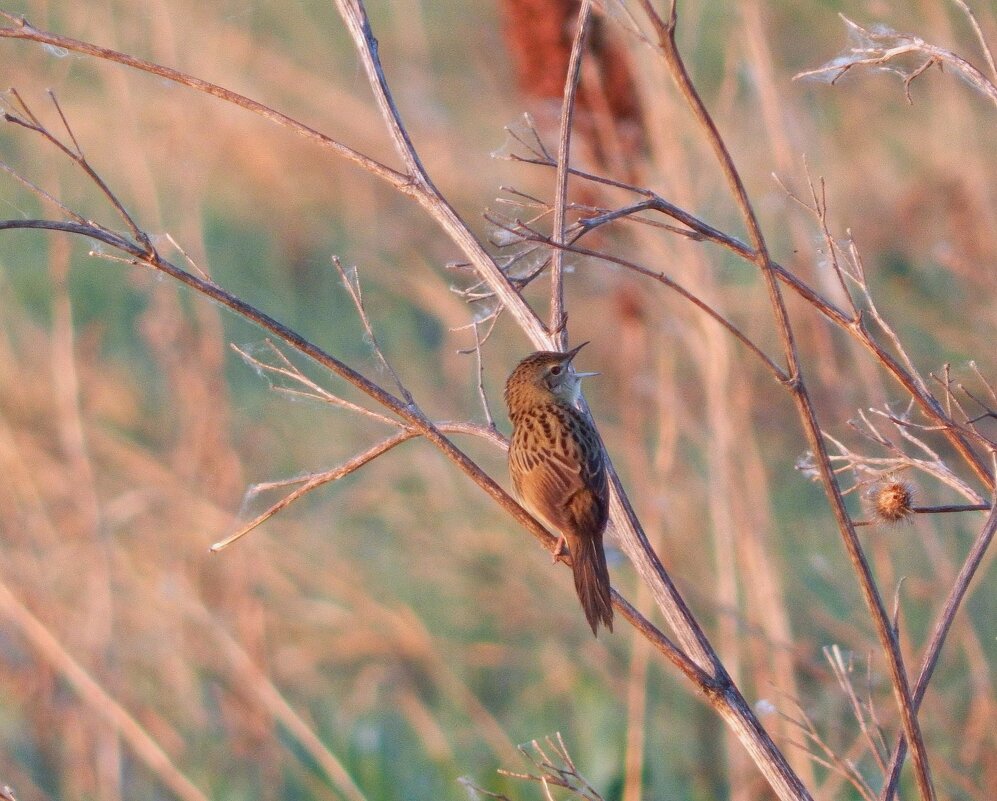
[[893, 500]]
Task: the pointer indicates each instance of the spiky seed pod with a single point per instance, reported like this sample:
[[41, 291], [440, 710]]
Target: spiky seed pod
[[893, 501]]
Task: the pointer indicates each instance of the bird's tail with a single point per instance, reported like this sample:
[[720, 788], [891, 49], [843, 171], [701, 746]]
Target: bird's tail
[[592, 580]]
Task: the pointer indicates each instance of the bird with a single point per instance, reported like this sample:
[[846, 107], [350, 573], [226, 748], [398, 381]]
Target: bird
[[558, 470]]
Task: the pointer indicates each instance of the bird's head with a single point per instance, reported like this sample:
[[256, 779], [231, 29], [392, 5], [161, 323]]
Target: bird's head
[[544, 374]]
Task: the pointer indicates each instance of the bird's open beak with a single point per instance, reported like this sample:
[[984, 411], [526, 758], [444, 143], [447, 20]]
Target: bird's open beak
[[574, 351], [571, 355]]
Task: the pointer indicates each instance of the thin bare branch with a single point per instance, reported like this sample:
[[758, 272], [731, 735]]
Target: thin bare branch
[[419, 185], [312, 390], [351, 280], [984, 44], [314, 480], [557, 771], [20, 28], [828, 757], [842, 672], [558, 318], [817, 207], [883, 48], [317, 480], [41, 193], [480, 369]]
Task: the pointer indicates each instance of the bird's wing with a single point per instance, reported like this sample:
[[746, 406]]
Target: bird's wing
[[561, 481]]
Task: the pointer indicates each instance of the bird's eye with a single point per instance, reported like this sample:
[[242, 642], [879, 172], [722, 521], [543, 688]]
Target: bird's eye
[[557, 369]]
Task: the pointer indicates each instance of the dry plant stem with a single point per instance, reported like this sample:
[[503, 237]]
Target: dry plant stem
[[419, 185], [984, 45], [933, 510], [558, 318], [900, 460], [895, 45], [564, 775], [832, 760], [20, 28], [841, 673], [75, 153], [819, 211], [938, 635], [286, 369], [316, 480], [480, 368], [94, 696], [352, 284], [797, 386]]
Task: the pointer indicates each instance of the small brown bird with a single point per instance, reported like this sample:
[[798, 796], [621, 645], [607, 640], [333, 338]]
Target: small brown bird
[[558, 470]]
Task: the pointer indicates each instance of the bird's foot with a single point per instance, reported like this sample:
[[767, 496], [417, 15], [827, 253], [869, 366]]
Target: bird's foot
[[560, 550]]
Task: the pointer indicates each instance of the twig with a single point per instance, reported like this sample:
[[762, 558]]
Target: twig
[[880, 465], [465, 782], [20, 28], [352, 284], [818, 209], [830, 759], [880, 49], [479, 363], [935, 510], [418, 184], [312, 390], [842, 674], [41, 193], [536, 147], [317, 480], [559, 771], [556, 325], [984, 44]]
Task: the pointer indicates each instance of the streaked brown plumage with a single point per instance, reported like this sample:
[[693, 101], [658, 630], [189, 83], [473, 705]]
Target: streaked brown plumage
[[558, 470]]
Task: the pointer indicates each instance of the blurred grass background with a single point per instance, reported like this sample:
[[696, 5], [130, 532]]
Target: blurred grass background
[[403, 619]]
